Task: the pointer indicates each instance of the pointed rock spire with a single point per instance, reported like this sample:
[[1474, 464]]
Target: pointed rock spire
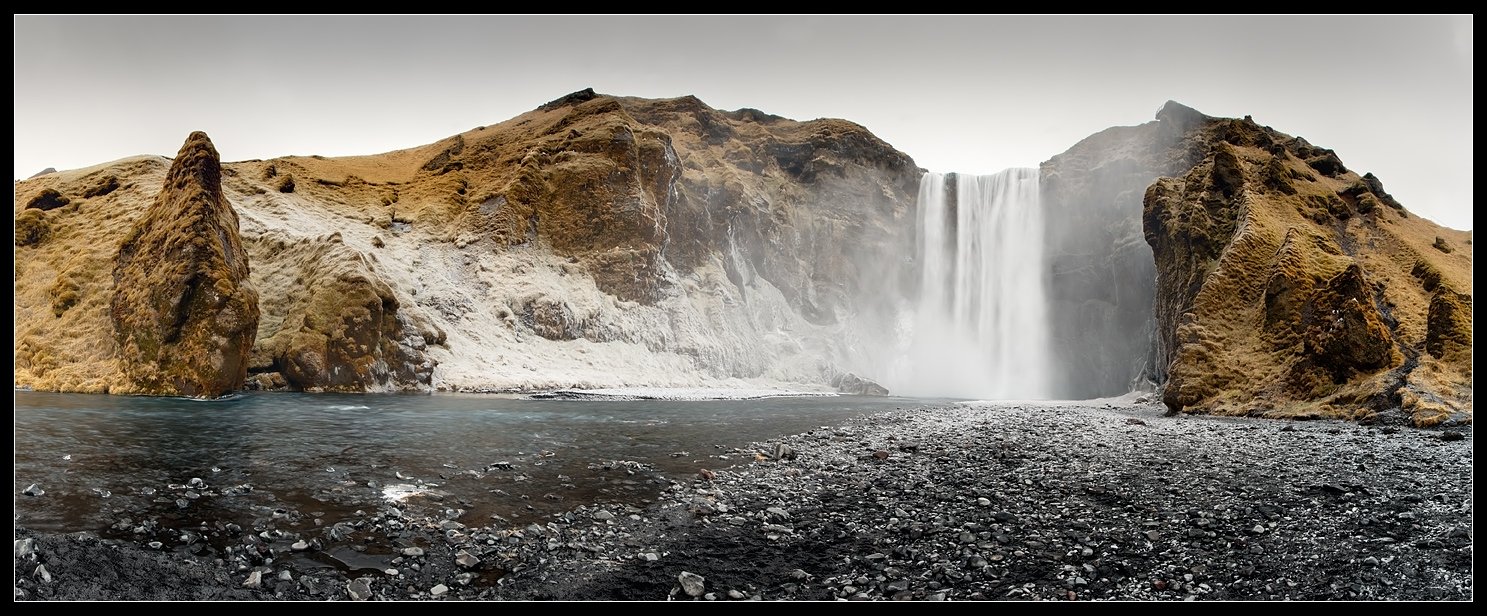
[[183, 310]]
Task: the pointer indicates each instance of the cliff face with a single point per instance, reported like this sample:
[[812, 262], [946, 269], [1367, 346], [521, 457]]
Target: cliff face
[[594, 241], [602, 241], [1288, 285], [1102, 276], [184, 313]]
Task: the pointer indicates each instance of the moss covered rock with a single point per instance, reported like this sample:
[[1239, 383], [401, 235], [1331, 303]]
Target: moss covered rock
[[183, 310], [1283, 289]]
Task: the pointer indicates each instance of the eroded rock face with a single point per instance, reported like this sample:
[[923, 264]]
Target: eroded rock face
[[335, 325], [675, 244], [621, 184], [183, 310], [1102, 277], [1284, 289]]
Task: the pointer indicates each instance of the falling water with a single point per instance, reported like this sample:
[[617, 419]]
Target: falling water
[[981, 325]]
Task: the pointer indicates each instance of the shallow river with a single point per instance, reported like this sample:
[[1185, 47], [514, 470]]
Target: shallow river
[[107, 463]]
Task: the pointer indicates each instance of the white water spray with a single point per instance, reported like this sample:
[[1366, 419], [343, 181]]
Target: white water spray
[[980, 329]]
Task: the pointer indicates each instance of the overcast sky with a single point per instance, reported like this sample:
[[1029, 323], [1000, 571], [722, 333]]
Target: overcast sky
[[1392, 95]]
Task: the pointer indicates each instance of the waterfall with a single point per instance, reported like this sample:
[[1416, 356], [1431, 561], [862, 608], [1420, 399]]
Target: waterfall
[[980, 328]]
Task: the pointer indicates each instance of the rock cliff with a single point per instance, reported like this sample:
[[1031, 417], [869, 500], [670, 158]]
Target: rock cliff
[[603, 241], [595, 241], [1289, 285], [1102, 277], [184, 313]]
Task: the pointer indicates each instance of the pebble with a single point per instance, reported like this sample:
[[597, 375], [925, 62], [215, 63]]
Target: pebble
[[465, 559], [1089, 506], [255, 579], [24, 548], [691, 583], [43, 575], [286, 576], [439, 590], [300, 546], [33, 490], [360, 589]]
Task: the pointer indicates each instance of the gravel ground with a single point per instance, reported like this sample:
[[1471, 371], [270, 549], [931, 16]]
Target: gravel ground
[[1008, 502]]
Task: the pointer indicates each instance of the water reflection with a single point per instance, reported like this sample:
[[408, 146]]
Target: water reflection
[[303, 457]]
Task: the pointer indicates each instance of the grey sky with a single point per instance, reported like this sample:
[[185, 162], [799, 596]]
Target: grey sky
[[1392, 94]]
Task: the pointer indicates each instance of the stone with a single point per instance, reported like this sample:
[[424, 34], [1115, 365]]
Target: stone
[[360, 589], [439, 590], [465, 559], [735, 594], [185, 324], [880, 454], [691, 583], [255, 579], [603, 515], [24, 548], [33, 490], [984, 502], [42, 574], [300, 546], [286, 576], [412, 551], [852, 384]]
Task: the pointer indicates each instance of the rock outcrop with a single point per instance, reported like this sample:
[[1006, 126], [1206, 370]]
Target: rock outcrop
[[183, 310], [1288, 285], [1102, 276], [335, 325], [595, 241], [603, 241]]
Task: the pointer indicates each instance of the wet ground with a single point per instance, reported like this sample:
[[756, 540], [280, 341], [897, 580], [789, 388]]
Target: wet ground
[[1030, 502]]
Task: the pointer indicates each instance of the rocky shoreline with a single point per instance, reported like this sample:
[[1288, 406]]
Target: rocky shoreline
[[1009, 502]]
